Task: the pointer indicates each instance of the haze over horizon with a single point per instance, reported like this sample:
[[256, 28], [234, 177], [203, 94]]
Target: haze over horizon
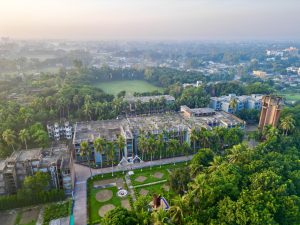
[[154, 20]]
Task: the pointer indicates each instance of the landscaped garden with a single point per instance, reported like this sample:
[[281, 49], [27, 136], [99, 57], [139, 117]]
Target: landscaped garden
[[103, 196], [103, 192]]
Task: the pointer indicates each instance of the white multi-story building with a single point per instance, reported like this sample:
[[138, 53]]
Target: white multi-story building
[[58, 131], [242, 102]]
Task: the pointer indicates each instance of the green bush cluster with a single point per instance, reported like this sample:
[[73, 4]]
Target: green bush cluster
[[21, 200]]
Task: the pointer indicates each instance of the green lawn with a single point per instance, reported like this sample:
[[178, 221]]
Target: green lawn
[[157, 189], [95, 205], [147, 172], [130, 86], [291, 96]]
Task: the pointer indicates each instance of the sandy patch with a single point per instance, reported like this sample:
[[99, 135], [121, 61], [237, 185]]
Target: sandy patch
[[140, 179], [8, 218], [143, 192], [105, 209], [104, 195], [29, 215], [158, 175], [166, 187], [125, 204]]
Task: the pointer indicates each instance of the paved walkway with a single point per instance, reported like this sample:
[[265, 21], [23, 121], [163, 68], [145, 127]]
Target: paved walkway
[[83, 173], [129, 185], [149, 184]]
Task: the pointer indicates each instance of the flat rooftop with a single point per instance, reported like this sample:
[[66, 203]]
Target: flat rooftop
[[106, 129], [24, 155], [156, 123]]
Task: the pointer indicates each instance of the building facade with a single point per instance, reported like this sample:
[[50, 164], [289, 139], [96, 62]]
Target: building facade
[[248, 102], [60, 131], [56, 161], [270, 112]]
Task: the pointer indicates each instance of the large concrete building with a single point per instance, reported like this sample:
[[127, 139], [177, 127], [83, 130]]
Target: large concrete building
[[171, 125], [270, 112], [253, 101], [57, 161]]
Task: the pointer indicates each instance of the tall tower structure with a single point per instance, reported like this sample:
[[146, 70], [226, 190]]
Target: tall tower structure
[[270, 111]]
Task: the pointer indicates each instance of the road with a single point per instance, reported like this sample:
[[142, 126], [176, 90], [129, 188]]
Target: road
[[83, 173]]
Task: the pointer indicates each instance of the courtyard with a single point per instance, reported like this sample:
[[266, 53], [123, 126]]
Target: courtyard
[[103, 191]]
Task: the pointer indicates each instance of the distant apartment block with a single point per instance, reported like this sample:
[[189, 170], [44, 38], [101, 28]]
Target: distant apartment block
[[242, 102], [259, 73], [60, 131], [271, 109], [197, 84], [171, 125], [56, 161]]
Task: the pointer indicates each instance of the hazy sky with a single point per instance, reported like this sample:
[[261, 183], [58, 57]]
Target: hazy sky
[[151, 19]]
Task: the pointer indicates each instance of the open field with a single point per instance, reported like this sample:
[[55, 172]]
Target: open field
[[291, 96], [130, 86]]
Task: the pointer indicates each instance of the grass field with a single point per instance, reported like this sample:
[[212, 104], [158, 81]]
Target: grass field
[[130, 86], [290, 95]]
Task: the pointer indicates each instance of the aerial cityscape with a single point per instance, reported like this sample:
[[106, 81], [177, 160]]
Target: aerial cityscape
[[149, 112]]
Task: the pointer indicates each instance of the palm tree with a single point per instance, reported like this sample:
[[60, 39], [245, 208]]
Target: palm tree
[[186, 150], [176, 214], [25, 115], [215, 164], [88, 106], [9, 137], [287, 124], [151, 148], [194, 138], [234, 154], [142, 145], [60, 104], [76, 101], [98, 145], [111, 155], [85, 151], [197, 188], [24, 136], [121, 145], [160, 145], [160, 217], [173, 146], [204, 136], [88, 110], [233, 104]]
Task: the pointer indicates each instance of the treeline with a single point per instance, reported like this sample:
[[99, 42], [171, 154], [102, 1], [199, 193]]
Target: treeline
[[18, 201], [36, 189]]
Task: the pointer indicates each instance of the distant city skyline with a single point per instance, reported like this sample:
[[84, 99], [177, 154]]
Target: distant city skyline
[[151, 19]]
